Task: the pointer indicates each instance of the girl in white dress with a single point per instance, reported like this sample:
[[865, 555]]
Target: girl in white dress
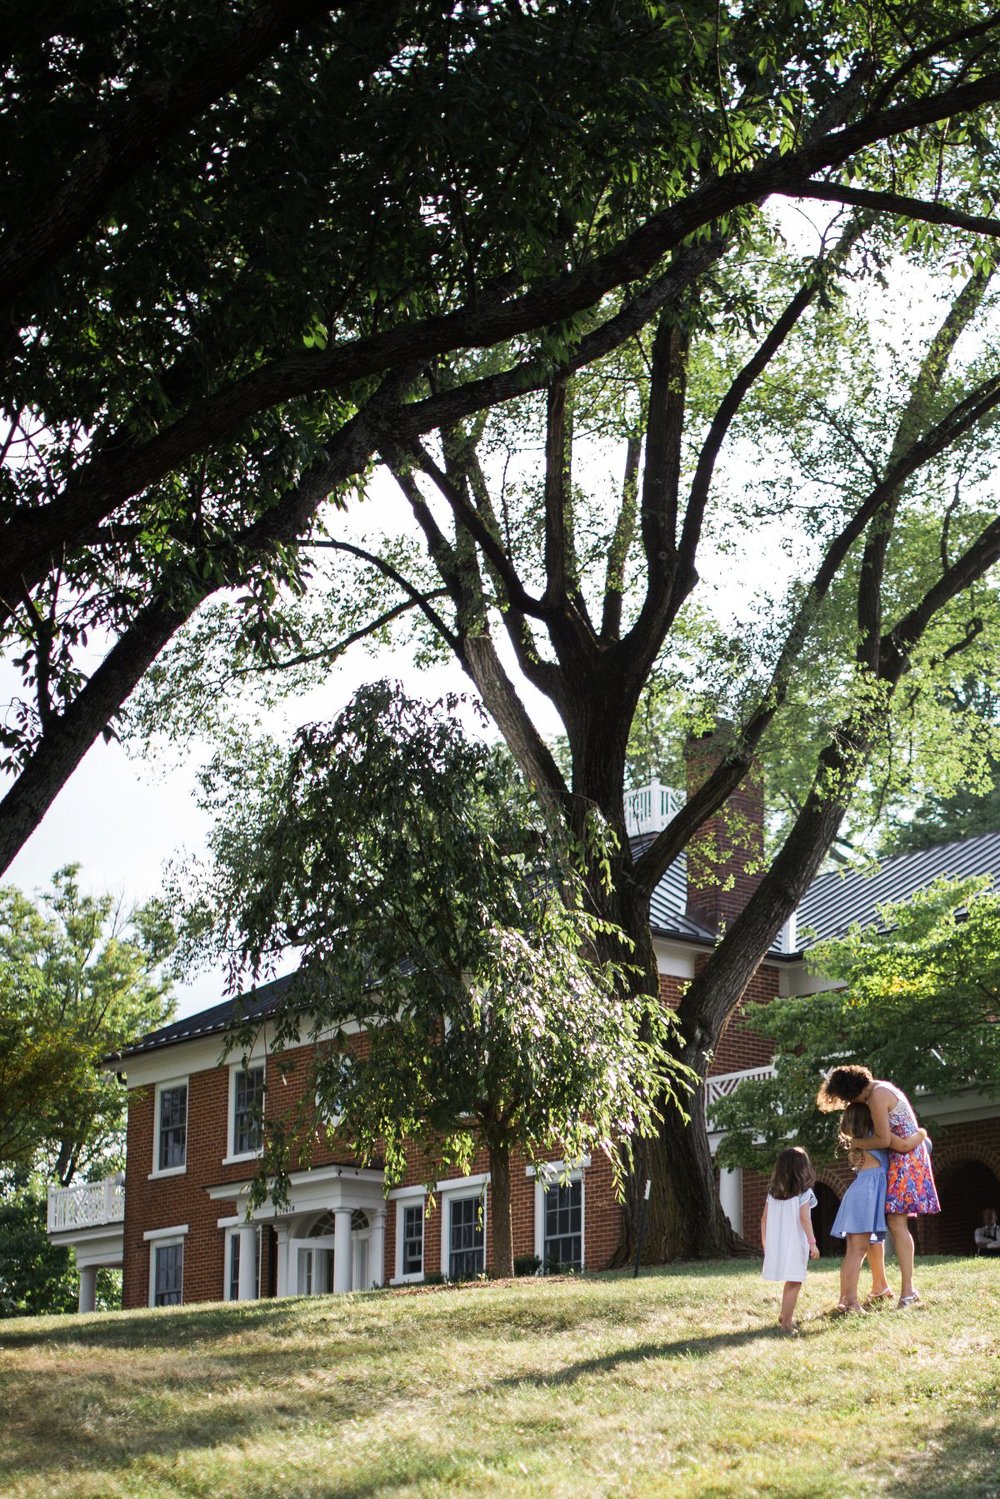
[[786, 1228]]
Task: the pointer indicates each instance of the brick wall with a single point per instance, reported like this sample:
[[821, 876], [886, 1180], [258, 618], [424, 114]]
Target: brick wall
[[739, 1047], [173, 1201]]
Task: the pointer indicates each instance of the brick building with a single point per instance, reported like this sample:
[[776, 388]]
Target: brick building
[[178, 1225]]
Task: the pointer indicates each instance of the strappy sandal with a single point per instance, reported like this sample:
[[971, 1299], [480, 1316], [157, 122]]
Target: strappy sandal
[[879, 1298], [910, 1300]]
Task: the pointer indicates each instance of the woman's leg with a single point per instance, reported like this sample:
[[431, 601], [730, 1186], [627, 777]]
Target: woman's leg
[[903, 1245], [789, 1297]]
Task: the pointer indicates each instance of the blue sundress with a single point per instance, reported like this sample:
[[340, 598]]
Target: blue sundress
[[862, 1207]]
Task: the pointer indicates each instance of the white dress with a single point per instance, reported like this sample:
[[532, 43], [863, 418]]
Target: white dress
[[787, 1252]]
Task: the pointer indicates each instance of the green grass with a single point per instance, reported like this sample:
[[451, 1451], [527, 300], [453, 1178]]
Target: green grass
[[675, 1384]]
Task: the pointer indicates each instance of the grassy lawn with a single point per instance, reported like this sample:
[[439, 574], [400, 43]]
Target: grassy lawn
[[674, 1384]]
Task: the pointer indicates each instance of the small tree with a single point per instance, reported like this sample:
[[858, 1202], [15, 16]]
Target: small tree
[[918, 1001], [79, 978], [431, 904]]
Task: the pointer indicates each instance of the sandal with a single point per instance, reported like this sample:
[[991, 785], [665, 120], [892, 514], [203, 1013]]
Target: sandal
[[876, 1298], [910, 1300]]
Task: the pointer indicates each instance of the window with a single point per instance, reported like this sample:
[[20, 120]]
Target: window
[[168, 1274], [413, 1239], [467, 1240], [563, 1242], [248, 1110], [234, 1267], [171, 1150]]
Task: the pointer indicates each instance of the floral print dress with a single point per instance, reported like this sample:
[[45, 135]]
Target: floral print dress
[[911, 1188]]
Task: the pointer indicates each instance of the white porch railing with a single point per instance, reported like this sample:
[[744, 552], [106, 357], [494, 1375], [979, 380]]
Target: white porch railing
[[87, 1205], [725, 1083], [648, 809]]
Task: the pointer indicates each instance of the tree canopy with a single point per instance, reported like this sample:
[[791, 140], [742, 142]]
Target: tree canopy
[[434, 910], [252, 248], [915, 1000]]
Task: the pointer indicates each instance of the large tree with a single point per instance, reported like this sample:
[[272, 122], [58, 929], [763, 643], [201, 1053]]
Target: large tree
[[875, 461], [242, 255]]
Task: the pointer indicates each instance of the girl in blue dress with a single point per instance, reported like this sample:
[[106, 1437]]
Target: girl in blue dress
[[861, 1216]]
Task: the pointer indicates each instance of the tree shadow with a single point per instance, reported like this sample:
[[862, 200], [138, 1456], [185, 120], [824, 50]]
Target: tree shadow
[[965, 1464], [695, 1347]]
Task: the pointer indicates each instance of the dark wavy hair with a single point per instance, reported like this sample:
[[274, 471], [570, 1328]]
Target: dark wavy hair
[[842, 1085], [793, 1174]]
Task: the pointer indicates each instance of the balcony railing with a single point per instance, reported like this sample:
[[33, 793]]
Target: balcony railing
[[87, 1205], [725, 1083], [648, 809]]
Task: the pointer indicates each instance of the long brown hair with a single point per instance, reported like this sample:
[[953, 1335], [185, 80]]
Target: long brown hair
[[855, 1120], [793, 1174]]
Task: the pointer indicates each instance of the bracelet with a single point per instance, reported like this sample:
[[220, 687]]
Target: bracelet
[[810, 1242]]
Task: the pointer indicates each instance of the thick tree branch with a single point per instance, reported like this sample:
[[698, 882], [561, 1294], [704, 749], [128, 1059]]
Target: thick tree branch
[[621, 542], [901, 205], [483, 324]]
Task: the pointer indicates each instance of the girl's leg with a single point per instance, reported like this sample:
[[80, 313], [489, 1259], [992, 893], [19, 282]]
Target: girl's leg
[[843, 1278], [857, 1245], [789, 1297], [876, 1263], [903, 1245]]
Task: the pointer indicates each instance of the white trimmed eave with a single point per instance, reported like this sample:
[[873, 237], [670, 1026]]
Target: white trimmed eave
[[325, 1188], [187, 1056], [97, 1246]]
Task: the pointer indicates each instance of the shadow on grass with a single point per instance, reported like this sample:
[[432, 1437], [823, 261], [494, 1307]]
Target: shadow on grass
[[965, 1464], [695, 1347], [155, 1329]]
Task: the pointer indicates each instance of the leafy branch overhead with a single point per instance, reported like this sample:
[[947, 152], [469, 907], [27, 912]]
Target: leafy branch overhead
[[243, 254]]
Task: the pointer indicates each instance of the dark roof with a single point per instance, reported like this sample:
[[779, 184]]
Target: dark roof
[[836, 901], [667, 904], [832, 903], [256, 1005]]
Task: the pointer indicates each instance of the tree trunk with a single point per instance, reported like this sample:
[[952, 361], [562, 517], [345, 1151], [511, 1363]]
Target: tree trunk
[[502, 1258]]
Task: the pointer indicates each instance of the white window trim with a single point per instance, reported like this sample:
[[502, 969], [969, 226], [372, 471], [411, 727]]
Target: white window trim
[[451, 1191], [173, 1082], [558, 1178], [409, 1197], [551, 1170], [163, 1238], [230, 1158], [232, 1226]]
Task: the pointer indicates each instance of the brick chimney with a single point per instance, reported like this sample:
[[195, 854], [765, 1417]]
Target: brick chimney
[[724, 860]]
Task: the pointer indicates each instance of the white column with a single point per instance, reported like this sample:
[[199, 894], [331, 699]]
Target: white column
[[247, 1287], [88, 1289], [342, 1249], [731, 1196], [376, 1248], [282, 1278]]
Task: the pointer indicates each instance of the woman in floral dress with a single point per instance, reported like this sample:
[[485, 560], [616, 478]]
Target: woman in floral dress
[[911, 1191]]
